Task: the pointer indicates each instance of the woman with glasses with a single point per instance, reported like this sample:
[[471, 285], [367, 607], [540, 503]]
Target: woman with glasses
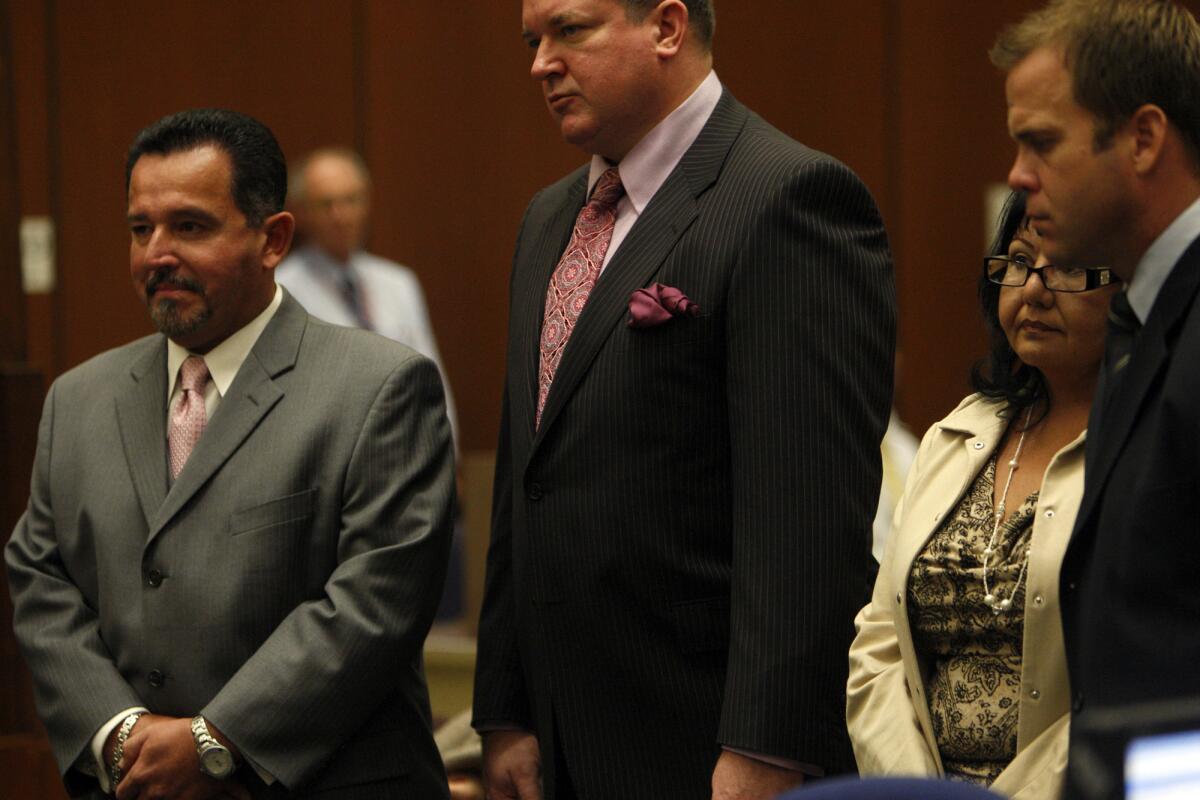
[[957, 669]]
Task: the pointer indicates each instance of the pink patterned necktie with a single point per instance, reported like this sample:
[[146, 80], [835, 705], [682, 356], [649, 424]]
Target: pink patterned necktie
[[188, 416], [575, 276]]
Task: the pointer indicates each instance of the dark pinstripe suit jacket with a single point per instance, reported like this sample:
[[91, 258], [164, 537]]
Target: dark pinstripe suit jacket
[[297, 560], [1131, 610], [679, 550]]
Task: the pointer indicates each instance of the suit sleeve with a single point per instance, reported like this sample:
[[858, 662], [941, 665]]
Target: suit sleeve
[[325, 669], [501, 699], [76, 683], [500, 696], [809, 343], [887, 738]]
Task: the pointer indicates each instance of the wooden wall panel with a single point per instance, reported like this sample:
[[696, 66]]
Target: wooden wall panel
[[459, 139], [951, 142], [12, 303], [122, 65], [31, 102]]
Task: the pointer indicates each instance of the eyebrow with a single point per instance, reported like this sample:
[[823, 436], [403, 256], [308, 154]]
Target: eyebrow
[[186, 211], [556, 21]]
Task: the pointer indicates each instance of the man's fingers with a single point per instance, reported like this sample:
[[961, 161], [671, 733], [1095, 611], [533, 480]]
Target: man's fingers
[[528, 788]]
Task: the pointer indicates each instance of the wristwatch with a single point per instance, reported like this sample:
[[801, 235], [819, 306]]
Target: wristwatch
[[216, 760]]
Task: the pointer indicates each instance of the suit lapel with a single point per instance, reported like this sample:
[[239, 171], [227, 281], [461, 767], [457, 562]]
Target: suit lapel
[[1150, 356], [664, 220], [251, 397], [142, 419]]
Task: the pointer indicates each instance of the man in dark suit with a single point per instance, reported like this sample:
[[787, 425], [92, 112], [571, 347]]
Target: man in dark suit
[[1104, 103], [699, 374], [238, 527]]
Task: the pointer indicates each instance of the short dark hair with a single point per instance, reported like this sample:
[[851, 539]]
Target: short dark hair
[[1002, 375], [1121, 55], [701, 16], [259, 180]]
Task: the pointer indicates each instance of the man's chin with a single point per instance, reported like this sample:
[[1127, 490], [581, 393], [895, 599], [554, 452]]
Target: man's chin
[[174, 322]]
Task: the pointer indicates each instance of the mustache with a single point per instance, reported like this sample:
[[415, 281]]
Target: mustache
[[171, 276]]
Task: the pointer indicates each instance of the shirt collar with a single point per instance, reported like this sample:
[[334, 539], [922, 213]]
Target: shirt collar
[[1156, 265], [225, 359], [646, 167]]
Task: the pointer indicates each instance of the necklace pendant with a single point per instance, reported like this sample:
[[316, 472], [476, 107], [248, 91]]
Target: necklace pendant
[[989, 600]]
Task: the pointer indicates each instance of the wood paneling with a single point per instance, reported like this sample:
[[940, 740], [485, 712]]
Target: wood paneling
[[12, 305], [120, 66], [438, 97], [951, 142], [459, 139]]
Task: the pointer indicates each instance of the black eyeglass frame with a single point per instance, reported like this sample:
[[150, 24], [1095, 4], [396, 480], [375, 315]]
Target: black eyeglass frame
[[1094, 278]]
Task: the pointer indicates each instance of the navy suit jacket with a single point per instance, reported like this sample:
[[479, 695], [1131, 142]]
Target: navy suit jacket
[[1130, 583]]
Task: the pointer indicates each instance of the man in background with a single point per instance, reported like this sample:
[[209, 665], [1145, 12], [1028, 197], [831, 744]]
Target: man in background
[[1104, 104], [331, 274], [699, 372], [238, 526]]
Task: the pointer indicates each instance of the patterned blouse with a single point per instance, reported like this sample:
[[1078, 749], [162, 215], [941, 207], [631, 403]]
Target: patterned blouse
[[971, 655]]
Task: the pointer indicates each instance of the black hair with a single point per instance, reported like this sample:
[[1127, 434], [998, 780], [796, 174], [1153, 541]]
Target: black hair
[[259, 179], [1001, 375]]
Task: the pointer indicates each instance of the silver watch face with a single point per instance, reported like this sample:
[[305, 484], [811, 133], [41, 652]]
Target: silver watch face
[[217, 762]]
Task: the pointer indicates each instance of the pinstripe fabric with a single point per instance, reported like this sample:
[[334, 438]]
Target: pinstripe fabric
[[299, 555], [679, 550]]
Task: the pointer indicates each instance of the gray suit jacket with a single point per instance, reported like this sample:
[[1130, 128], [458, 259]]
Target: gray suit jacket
[[283, 586], [679, 550]]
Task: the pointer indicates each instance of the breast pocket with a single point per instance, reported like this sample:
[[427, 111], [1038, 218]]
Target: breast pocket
[[293, 511]]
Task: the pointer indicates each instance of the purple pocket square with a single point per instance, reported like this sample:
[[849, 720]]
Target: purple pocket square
[[657, 304]]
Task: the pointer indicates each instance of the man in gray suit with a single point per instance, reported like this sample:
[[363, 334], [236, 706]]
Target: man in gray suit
[[238, 528], [698, 378]]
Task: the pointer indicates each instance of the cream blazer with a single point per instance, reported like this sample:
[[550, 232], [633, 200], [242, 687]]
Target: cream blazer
[[886, 709]]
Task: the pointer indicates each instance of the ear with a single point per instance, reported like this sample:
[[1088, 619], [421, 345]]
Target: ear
[[1148, 127], [671, 25], [278, 230]]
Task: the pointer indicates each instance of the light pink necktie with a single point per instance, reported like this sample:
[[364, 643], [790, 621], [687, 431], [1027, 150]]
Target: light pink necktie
[[575, 276], [188, 416]]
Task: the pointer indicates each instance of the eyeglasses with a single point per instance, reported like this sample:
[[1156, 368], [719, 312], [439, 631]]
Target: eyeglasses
[[1007, 271]]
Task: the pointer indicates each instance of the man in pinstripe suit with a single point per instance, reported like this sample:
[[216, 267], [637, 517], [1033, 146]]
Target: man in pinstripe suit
[[258, 598], [682, 516]]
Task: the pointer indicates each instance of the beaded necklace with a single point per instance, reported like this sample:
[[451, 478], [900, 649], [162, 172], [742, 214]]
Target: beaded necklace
[[1002, 605]]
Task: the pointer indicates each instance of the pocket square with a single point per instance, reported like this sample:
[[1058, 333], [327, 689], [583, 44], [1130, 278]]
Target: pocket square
[[657, 304]]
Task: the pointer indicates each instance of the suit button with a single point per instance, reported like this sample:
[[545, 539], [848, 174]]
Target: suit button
[[1077, 702], [535, 492], [156, 678], [154, 578], [1035, 694]]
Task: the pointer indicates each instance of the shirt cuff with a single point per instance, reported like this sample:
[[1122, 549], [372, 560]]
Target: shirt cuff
[[811, 770], [96, 766], [492, 727]]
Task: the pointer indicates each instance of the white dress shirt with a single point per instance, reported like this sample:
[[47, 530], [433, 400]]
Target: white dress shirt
[[1160, 259]]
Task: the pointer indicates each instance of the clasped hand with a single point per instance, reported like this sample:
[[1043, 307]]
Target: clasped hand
[[160, 762]]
